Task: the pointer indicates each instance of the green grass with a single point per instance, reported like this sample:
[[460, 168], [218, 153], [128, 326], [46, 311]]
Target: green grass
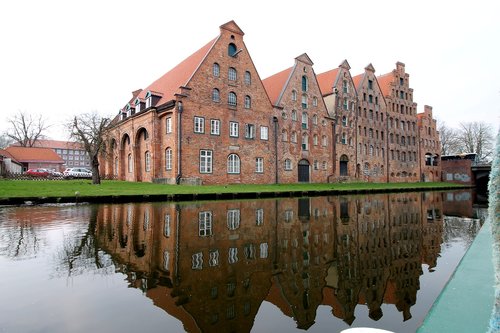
[[67, 188]]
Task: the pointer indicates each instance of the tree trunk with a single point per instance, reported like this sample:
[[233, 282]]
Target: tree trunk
[[96, 177]]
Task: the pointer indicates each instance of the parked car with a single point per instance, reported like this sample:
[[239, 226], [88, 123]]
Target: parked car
[[38, 172], [71, 173], [56, 174]]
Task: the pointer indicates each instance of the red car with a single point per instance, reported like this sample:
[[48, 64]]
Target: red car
[[38, 172]]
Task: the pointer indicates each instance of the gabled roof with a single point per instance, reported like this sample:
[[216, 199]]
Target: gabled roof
[[275, 84], [5, 153], [385, 83], [30, 154], [326, 81]]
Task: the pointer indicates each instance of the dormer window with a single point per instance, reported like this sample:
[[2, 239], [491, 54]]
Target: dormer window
[[123, 115], [138, 105], [130, 110], [149, 100], [231, 50]]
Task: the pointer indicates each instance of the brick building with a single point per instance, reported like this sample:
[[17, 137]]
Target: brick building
[[211, 120]]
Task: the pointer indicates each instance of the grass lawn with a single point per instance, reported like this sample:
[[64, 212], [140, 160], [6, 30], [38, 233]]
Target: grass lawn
[[67, 188]]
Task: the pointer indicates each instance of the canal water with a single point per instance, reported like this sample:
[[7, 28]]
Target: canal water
[[321, 264]]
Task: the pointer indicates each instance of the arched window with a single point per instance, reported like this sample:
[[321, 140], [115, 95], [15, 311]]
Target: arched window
[[345, 86], [344, 139], [294, 115], [248, 102], [344, 121], [305, 84], [284, 136], [371, 150], [315, 119], [304, 101], [324, 141], [315, 101], [231, 49], [305, 120], [216, 70], [305, 142], [315, 139], [215, 95], [294, 95], [231, 74], [231, 99], [233, 163], [294, 137], [168, 158], [129, 163], [248, 78], [147, 160]]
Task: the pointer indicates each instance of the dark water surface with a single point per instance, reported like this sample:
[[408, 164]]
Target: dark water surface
[[319, 264]]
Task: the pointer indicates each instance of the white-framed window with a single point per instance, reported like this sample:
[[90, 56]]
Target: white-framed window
[[305, 120], [215, 126], [233, 129], [345, 86], [294, 115], [197, 261], [316, 165], [259, 165], [205, 161], [231, 99], [264, 133], [259, 216], [249, 131], [147, 160], [213, 259], [324, 141], [304, 101], [284, 136], [215, 95], [168, 124], [233, 219], [129, 163], [216, 70], [305, 142], [305, 83], [233, 163], [294, 137], [248, 102], [168, 159], [232, 74], [324, 165], [205, 224], [294, 95], [199, 125], [166, 227], [315, 101], [344, 139], [315, 139], [232, 255], [263, 250], [288, 164], [248, 78]]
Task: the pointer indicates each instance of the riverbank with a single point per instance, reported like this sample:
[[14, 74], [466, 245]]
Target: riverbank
[[16, 192]]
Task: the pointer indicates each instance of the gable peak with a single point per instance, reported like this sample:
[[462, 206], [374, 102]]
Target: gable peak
[[305, 59], [345, 65], [232, 27], [370, 68]]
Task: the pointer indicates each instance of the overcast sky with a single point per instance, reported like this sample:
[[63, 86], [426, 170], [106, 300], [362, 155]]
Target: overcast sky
[[60, 58]]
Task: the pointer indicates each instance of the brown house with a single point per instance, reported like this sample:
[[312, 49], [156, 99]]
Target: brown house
[[31, 158]]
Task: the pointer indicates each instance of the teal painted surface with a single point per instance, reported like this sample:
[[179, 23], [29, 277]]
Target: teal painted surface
[[466, 303]]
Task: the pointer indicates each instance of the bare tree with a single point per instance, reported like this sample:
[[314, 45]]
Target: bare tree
[[88, 129], [26, 129], [476, 137], [5, 141], [448, 137]]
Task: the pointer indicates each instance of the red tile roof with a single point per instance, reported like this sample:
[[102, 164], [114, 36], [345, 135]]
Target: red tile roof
[[357, 80], [168, 85], [25, 154], [326, 81], [5, 153], [58, 144], [275, 84], [384, 82]]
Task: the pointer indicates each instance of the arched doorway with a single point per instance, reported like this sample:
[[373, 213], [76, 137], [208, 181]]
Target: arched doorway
[[303, 170], [344, 171]]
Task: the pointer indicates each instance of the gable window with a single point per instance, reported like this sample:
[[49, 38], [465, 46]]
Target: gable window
[[231, 75], [305, 84], [248, 78], [294, 115], [344, 121], [233, 129], [294, 95], [324, 141], [215, 95], [231, 50], [370, 84], [370, 99], [315, 101], [288, 164], [305, 121], [345, 105], [248, 102], [305, 142], [345, 86], [147, 160], [215, 126], [304, 101], [216, 70], [344, 139], [259, 165], [168, 124], [249, 131], [231, 99], [264, 133], [315, 119], [168, 159], [199, 125], [284, 136], [315, 139], [233, 163], [205, 161], [294, 137]]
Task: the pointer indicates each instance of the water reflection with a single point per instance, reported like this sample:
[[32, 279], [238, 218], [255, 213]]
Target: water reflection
[[211, 265]]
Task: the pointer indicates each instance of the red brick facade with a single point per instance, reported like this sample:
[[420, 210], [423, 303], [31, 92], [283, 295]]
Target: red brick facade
[[430, 147], [211, 120]]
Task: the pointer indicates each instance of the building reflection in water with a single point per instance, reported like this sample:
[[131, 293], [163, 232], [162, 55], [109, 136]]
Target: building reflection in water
[[212, 264]]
